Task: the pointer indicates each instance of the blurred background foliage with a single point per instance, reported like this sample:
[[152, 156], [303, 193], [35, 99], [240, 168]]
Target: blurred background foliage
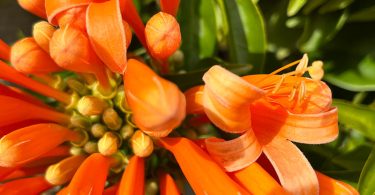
[[250, 36]]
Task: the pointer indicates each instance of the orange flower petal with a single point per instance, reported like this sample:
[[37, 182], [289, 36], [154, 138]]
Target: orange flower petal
[[75, 16], [11, 75], [26, 144], [194, 100], [19, 94], [53, 156], [293, 169], [202, 173], [329, 186], [111, 190], [167, 185], [35, 7], [4, 51], [63, 191], [25, 172], [57, 6], [131, 16], [226, 101], [257, 181], [61, 172], [158, 105], [234, 154], [107, 34], [10, 112], [170, 6], [91, 176], [304, 128], [163, 35], [5, 171], [26, 57], [132, 181], [32, 185], [128, 33], [317, 96]]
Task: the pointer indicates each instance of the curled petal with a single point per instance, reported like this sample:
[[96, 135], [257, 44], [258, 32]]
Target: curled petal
[[42, 33], [194, 100], [26, 144], [235, 154], [294, 171], [91, 175], [227, 101], [26, 57], [11, 75], [304, 128], [10, 112], [170, 6], [35, 7], [31, 185], [4, 51], [257, 181], [163, 35], [107, 34], [132, 181], [167, 185], [158, 105], [63, 171], [202, 173], [329, 186], [53, 8]]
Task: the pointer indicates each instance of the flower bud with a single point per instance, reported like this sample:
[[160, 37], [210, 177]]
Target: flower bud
[[151, 187], [75, 16], [27, 55], [42, 34], [35, 7], [111, 119], [108, 144], [77, 86], [316, 71], [90, 147], [163, 35], [61, 172], [126, 131], [77, 120], [91, 105], [98, 130], [141, 144]]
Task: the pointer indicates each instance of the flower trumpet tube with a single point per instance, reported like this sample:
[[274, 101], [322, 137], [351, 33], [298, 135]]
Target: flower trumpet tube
[[170, 6], [167, 185], [132, 181], [63, 171], [25, 56], [36, 7], [4, 51], [31, 185], [157, 114], [26, 144]]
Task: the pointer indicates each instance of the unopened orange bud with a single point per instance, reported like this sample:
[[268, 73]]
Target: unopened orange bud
[[75, 16], [28, 57], [42, 34], [163, 35], [71, 50], [61, 172], [128, 33], [108, 144], [26, 144], [141, 144], [35, 6], [91, 105]]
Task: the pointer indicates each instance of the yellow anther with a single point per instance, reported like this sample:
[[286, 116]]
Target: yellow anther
[[278, 84], [301, 92], [292, 94], [316, 71], [302, 66]]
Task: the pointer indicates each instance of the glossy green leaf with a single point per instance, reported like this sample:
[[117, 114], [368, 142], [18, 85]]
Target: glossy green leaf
[[357, 77], [334, 5], [247, 43], [207, 28], [357, 117], [320, 29], [367, 179], [367, 14], [312, 5], [294, 6]]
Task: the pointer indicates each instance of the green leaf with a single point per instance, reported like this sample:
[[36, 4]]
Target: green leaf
[[354, 74], [294, 6], [357, 117], [367, 14], [367, 179], [207, 28], [247, 42], [334, 5], [320, 29], [312, 5]]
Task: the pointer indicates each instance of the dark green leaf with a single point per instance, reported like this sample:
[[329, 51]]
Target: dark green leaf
[[334, 5], [367, 14], [320, 29], [312, 5], [367, 179], [357, 117]]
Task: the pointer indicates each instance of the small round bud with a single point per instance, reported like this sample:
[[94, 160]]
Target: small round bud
[[42, 34], [77, 86], [108, 144], [61, 172], [151, 187], [91, 105], [98, 130], [126, 131], [112, 119], [77, 120], [163, 35], [316, 71], [141, 144], [90, 147], [76, 151]]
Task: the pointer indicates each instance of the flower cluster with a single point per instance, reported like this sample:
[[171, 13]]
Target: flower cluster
[[112, 125]]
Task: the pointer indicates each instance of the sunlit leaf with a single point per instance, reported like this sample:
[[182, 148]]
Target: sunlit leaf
[[207, 28], [367, 179], [294, 6]]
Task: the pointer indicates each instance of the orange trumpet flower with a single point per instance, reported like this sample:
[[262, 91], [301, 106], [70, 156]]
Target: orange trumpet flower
[[170, 6], [32, 185], [167, 185], [36, 7], [132, 181], [4, 51]]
